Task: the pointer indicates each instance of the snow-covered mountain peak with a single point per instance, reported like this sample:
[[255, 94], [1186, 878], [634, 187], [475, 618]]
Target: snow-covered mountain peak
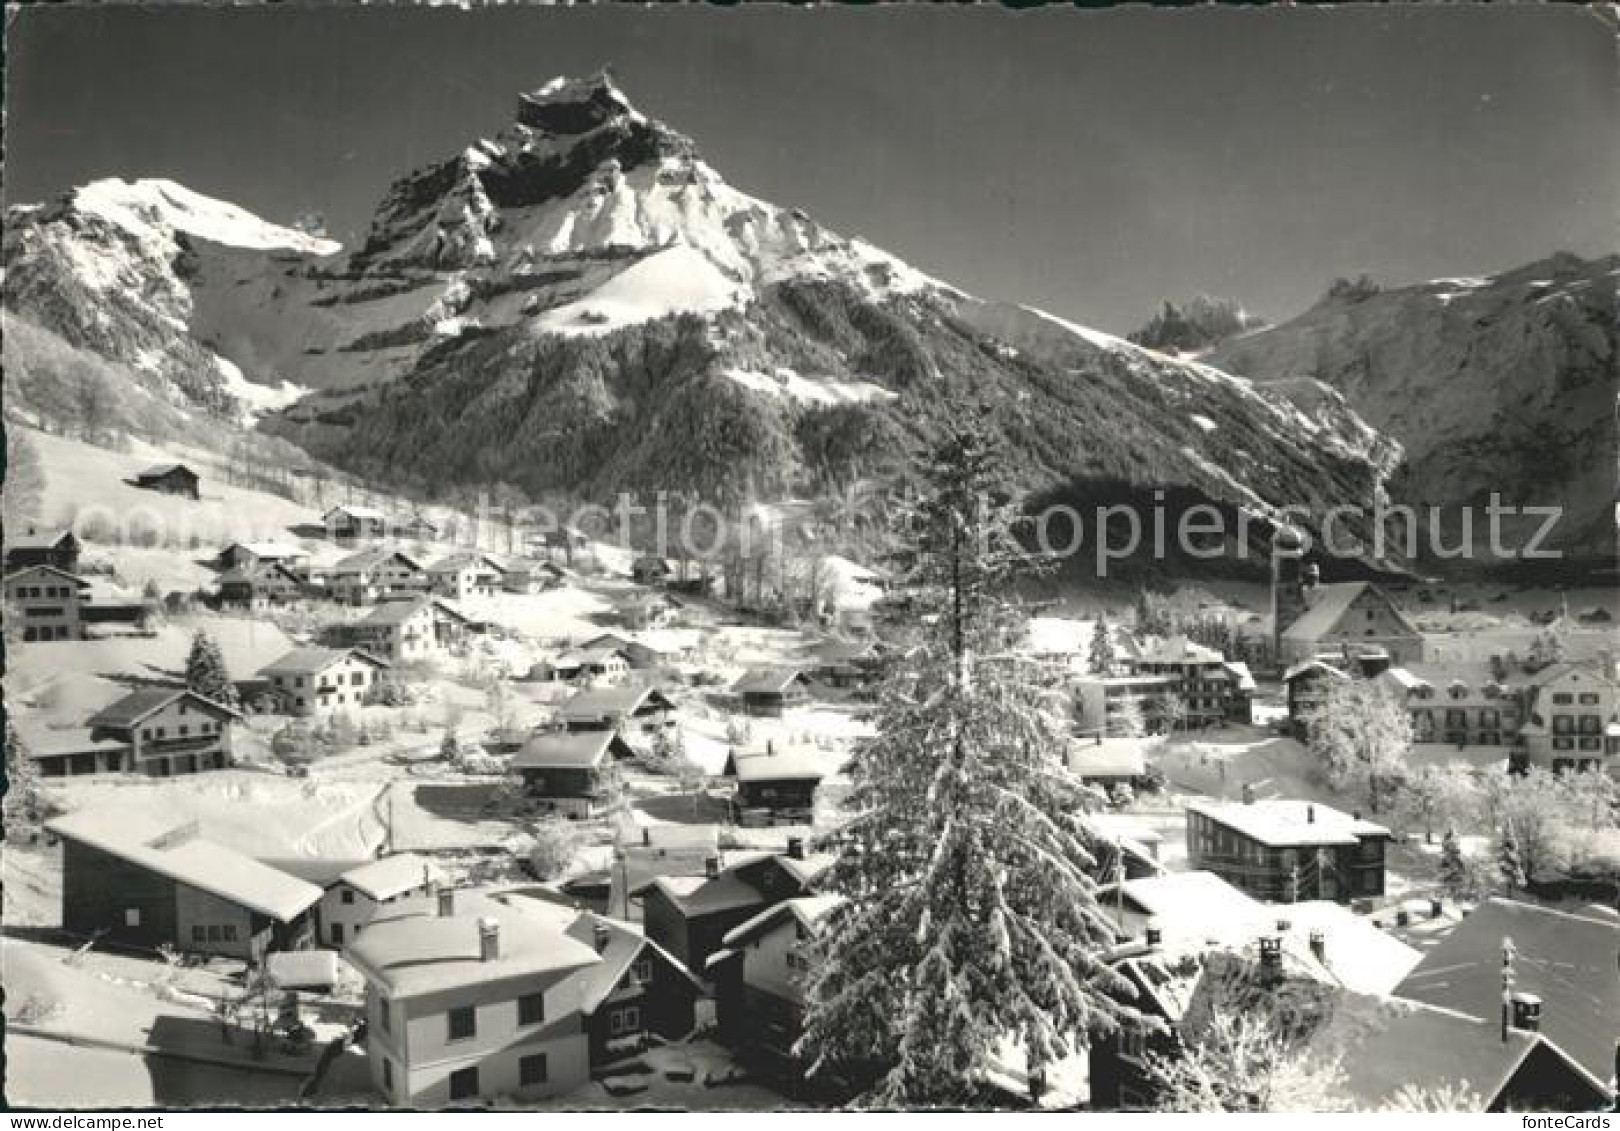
[[582, 175], [158, 208], [574, 105]]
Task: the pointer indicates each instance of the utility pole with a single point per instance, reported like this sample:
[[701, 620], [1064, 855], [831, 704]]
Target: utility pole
[[1507, 986]]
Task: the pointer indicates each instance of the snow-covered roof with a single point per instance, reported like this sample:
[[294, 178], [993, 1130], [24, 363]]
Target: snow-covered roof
[[578, 750], [410, 949], [391, 875], [1109, 758], [157, 844], [1190, 904], [1287, 823], [789, 763], [80, 582], [302, 969], [807, 910], [612, 702], [1178, 650], [768, 681], [355, 511], [158, 470], [1567, 959], [268, 550], [138, 705], [1385, 1044], [47, 742], [1328, 605], [311, 661], [47, 540]]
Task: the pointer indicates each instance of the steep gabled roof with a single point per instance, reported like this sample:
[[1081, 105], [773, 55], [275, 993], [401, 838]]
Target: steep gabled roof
[[1567, 960], [354, 511], [139, 705], [398, 612], [1329, 604], [366, 561], [1178, 650], [157, 471], [768, 681], [1386, 1044], [612, 702], [788, 763], [48, 540], [389, 876], [574, 750], [159, 845], [313, 661], [809, 911], [78, 581]]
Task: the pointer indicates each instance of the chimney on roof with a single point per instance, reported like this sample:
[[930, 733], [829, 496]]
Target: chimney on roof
[[1310, 814], [489, 940], [711, 866], [1284, 926], [1248, 794], [1154, 934], [1271, 958], [770, 748], [795, 848], [446, 902], [1319, 944], [1526, 1012], [600, 936]]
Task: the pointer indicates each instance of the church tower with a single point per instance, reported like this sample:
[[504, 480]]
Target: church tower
[[1287, 584]]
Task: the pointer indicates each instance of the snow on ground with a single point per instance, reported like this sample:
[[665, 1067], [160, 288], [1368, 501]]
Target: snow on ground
[[649, 1075], [50, 1074], [31, 884], [567, 613], [87, 484], [1053, 636], [257, 814], [785, 382], [677, 281], [259, 400], [140, 206], [857, 587], [87, 1001], [247, 646]]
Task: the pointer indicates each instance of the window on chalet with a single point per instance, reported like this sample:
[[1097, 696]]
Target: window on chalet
[[531, 1009], [347, 895], [643, 970], [464, 1083], [462, 1023], [1588, 698], [532, 1070], [1562, 699]]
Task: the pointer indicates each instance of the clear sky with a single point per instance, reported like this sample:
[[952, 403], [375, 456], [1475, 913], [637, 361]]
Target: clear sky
[[1090, 163]]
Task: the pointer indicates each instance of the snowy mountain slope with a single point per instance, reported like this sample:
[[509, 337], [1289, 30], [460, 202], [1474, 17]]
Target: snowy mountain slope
[[1505, 384], [582, 303], [106, 268]]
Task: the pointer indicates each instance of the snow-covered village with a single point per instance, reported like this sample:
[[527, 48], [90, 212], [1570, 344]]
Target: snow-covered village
[[500, 614]]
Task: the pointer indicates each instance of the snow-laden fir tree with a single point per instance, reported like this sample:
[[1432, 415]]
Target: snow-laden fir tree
[[205, 671], [1102, 647], [970, 923], [1508, 865], [1452, 870]]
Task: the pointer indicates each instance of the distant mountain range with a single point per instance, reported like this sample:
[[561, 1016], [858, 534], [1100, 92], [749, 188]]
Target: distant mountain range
[[583, 304], [1506, 384]]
